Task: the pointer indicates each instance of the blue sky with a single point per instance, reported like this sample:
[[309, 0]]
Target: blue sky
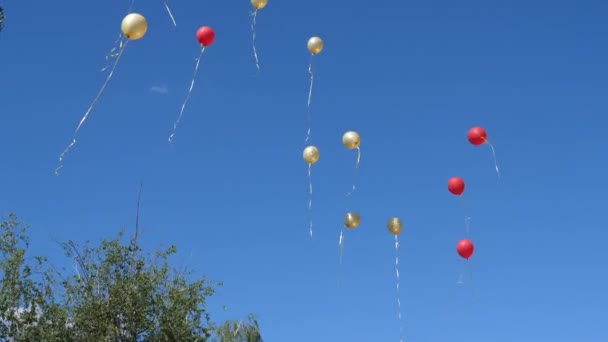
[[231, 192]]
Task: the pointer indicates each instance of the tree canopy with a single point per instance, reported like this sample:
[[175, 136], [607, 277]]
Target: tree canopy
[[115, 293]]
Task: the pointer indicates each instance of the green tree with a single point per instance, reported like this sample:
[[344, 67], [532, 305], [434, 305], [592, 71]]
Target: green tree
[[117, 293]]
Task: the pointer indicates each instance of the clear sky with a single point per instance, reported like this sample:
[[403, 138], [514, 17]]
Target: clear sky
[[411, 77]]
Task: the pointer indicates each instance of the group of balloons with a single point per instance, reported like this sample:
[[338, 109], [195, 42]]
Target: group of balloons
[[351, 140], [134, 26], [476, 136]]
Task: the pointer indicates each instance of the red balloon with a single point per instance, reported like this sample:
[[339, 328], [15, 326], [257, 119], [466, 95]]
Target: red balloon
[[456, 185], [205, 35], [465, 248], [477, 136]]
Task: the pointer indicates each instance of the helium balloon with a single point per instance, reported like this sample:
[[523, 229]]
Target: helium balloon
[[351, 140], [315, 45], [259, 4], [394, 226], [477, 136], [311, 154], [456, 185], [351, 220], [465, 248], [134, 26], [205, 35]]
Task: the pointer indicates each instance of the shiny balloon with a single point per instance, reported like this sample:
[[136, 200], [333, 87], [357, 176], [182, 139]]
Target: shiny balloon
[[259, 4], [205, 35], [315, 45], [465, 248], [134, 26], [352, 220], [394, 226], [351, 140], [477, 136], [456, 186], [310, 154]]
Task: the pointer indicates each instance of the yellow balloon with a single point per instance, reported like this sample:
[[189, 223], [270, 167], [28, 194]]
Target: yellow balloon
[[394, 226], [134, 26], [259, 4], [315, 45], [352, 220], [351, 140], [311, 154]]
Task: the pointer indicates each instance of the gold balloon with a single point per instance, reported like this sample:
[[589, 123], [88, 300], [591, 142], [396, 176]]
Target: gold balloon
[[315, 45], [134, 26], [259, 4], [352, 220], [394, 226], [311, 154], [351, 140]]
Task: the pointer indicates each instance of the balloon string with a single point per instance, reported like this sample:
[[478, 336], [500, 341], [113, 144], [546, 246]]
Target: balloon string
[[468, 267], [310, 198], [341, 249], [118, 41], [131, 6], [467, 219], [398, 296], [169, 12], [112, 53], [355, 175], [254, 15], [473, 297], [181, 112], [493, 157], [86, 114], [310, 73], [461, 275]]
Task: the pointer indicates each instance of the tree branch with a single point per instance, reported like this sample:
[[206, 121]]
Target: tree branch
[[137, 213], [136, 235]]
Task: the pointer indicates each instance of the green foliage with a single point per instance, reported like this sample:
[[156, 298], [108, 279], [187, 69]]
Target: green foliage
[[238, 331], [116, 294], [28, 311]]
